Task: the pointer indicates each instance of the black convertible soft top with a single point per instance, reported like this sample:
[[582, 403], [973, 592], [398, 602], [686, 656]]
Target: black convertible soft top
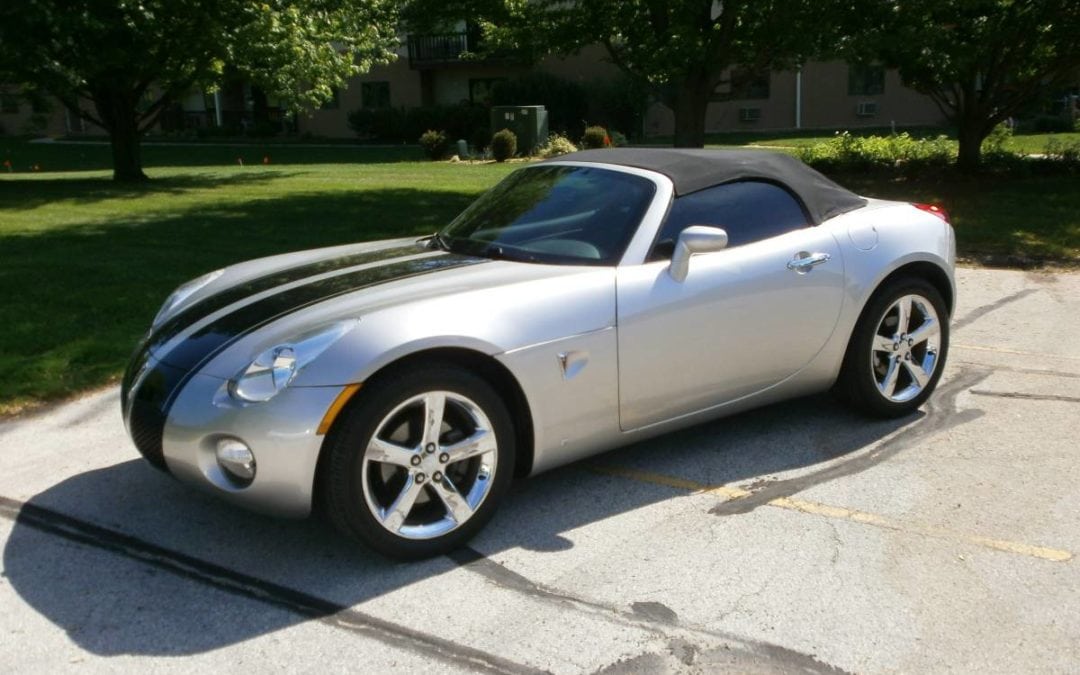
[[691, 170]]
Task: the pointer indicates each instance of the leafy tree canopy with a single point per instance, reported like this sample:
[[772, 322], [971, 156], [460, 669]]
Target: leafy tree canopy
[[132, 58], [981, 61]]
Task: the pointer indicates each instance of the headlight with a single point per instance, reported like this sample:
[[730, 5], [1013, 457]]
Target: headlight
[[183, 293], [275, 368]]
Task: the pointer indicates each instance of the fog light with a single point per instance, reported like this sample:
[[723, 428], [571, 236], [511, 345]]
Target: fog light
[[236, 459]]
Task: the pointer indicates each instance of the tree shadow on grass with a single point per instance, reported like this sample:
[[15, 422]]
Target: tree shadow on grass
[[51, 157], [29, 193], [77, 299]]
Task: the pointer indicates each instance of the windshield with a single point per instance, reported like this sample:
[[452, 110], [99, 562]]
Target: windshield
[[571, 215]]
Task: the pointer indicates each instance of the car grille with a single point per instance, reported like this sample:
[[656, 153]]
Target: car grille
[[147, 426], [148, 389]]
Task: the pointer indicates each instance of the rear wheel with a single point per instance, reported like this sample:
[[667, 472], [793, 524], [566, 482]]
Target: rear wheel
[[897, 352], [420, 463]]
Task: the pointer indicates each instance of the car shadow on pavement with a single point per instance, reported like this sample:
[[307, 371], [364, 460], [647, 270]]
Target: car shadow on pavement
[[110, 602]]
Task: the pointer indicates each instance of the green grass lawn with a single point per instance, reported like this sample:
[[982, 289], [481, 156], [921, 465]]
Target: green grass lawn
[[85, 264]]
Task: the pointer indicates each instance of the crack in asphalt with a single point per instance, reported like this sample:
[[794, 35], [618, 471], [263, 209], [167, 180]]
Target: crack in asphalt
[[683, 657], [652, 617], [835, 557], [1025, 371], [243, 585], [979, 312], [646, 616], [654, 611], [1030, 397], [941, 414]]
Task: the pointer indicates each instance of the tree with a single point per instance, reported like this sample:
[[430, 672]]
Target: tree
[[680, 49], [980, 61], [132, 59]]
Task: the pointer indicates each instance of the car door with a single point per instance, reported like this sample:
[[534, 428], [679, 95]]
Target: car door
[[744, 319]]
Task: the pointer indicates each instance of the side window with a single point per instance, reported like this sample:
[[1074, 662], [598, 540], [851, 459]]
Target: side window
[[866, 80], [748, 211]]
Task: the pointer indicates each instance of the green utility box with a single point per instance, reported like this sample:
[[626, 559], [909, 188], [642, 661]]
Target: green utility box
[[528, 122]]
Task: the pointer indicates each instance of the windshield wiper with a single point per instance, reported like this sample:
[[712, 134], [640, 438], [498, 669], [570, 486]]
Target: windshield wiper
[[440, 241]]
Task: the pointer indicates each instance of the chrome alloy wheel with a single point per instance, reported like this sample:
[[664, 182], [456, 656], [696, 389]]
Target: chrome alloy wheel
[[905, 348], [429, 465]]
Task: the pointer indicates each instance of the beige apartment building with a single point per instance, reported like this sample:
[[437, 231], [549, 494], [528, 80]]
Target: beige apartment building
[[436, 69], [822, 95]]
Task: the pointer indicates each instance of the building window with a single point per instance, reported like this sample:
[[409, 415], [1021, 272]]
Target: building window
[[334, 102], [480, 89], [9, 103], [744, 85], [866, 80], [750, 85], [375, 94]]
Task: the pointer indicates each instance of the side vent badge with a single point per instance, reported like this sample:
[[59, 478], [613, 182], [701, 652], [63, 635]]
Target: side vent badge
[[572, 363]]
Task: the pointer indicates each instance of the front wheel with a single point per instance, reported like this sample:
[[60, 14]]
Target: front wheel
[[897, 352], [420, 463]]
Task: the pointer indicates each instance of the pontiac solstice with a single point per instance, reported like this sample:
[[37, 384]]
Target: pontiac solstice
[[581, 304]]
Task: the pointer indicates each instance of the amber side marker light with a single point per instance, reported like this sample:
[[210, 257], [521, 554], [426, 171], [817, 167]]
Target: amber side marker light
[[934, 209], [335, 408]]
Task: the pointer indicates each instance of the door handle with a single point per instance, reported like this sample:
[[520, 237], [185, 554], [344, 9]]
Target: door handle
[[803, 262]]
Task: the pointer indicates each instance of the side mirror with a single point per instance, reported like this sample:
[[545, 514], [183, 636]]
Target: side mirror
[[694, 239]]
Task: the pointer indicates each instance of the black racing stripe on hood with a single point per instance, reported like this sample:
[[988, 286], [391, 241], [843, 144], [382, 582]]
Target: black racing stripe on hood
[[212, 303], [211, 339]]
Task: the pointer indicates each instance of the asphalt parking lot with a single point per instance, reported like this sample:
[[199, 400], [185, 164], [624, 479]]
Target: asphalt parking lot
[[794, 538]]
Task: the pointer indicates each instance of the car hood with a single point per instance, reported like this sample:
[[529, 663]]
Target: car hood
[[255, 303]]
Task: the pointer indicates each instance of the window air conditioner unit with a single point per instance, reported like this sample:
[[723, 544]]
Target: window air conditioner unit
[[866, 109], [749, 114]]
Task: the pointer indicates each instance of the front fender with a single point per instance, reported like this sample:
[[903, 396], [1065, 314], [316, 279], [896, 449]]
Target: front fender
[[491, 320]]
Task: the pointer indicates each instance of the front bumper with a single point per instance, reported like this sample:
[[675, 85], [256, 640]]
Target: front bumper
[[176, 420]]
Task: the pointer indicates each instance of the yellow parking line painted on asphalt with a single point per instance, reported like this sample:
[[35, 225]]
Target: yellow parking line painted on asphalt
[[1001, 350], [729, 492]]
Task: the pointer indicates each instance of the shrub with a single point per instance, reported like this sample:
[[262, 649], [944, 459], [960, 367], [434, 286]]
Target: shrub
[[845, 152], [263, 129], [596, 137], [405, 125], [618, 140], [434, 144], [217, 132], [503, 145], [36, 124], [1065, 153], [994, 144], [556, 145]]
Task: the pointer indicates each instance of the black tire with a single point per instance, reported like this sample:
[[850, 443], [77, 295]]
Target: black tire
[[857, 384], [341, 472]]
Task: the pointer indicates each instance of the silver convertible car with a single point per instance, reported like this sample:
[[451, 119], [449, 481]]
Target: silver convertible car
[[581, 304]]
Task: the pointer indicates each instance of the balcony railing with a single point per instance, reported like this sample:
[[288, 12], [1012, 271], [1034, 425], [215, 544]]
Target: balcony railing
[[437, 49]]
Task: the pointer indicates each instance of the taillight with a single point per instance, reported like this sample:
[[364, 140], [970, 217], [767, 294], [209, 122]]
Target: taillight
[[934, 209]]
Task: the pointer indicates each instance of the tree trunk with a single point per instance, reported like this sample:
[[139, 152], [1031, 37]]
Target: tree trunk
[[690, 101], [116, 108], [971, 136], [127, 155]]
